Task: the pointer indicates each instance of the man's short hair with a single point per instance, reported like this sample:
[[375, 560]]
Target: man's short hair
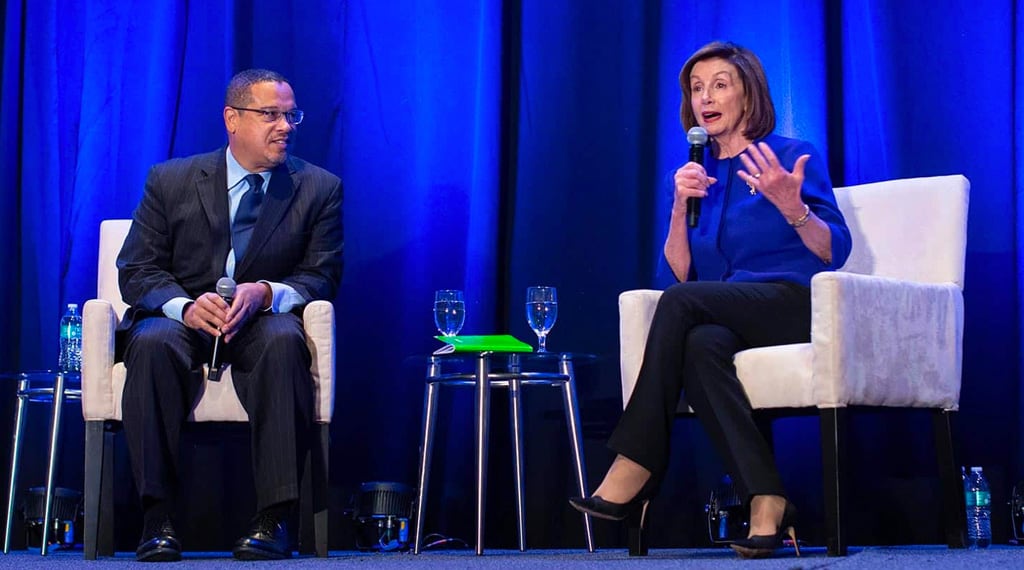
[[239, 92]]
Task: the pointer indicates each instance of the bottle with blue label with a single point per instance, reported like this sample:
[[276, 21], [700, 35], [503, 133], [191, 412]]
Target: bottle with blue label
[[70, 357], [979, 509]]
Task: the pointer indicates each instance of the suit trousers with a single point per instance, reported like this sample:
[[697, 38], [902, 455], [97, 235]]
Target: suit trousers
[[697, 329], [270, 371]]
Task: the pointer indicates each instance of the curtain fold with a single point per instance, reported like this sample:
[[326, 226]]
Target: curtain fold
[[1017, 178], [11, 109]]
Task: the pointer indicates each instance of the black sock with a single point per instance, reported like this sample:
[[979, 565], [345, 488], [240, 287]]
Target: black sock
[[155, 511], [280, 510]]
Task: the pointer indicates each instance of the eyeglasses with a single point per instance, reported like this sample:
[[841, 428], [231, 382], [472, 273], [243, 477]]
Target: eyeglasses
[[293, 117]]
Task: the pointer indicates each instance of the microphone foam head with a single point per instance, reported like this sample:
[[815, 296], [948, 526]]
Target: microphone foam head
[[697, 135], [226, 287]]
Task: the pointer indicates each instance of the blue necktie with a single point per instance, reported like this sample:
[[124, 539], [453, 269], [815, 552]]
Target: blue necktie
[[245, 217]]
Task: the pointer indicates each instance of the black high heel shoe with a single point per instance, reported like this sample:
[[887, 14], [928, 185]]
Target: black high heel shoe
[[633, 513], [765, 545]]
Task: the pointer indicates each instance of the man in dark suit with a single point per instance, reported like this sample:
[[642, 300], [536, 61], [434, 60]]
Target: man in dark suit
[[274, 224]]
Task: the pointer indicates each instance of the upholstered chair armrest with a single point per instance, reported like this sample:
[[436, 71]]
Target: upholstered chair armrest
[[99, 321], [318, 321], [636, 310], [863, 327]]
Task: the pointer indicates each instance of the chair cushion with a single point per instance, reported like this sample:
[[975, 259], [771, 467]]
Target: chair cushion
[[217, 401], [777, 376]]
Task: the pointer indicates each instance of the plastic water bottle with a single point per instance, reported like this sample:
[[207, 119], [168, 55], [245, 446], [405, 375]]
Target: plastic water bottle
[[70, 358], [979, 509]]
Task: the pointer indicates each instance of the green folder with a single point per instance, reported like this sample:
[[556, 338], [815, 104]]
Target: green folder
[[482, 343]]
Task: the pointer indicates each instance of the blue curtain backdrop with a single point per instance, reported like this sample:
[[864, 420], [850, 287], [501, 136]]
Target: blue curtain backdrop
[[490, 145]]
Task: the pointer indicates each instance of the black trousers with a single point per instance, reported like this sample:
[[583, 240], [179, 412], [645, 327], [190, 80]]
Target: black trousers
[[270, 371], [697, 329]]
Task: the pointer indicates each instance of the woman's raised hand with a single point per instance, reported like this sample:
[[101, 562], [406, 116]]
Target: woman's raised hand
[[766, 175]]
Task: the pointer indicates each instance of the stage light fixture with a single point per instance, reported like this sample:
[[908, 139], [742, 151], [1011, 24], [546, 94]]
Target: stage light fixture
[[382, 513]]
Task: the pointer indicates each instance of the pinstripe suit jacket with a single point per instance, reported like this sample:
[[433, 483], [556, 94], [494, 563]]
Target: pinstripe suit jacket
[[181, 234]]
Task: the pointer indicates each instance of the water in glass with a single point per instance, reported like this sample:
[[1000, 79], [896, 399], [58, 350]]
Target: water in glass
[[541, 312], [449, 311]]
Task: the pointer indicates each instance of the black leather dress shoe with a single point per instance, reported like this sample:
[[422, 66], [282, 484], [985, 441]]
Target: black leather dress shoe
[[159, 543], [267, 539]]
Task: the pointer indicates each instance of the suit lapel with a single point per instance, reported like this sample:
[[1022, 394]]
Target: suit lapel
[[212, 188], [278, 198]]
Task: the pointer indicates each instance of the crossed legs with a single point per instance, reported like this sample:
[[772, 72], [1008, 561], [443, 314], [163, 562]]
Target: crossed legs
[[697, 329]]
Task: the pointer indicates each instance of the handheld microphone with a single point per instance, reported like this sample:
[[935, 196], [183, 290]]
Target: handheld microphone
[[226, 290], [697, 137]]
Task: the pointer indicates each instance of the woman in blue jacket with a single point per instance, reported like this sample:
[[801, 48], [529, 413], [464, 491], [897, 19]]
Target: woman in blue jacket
[[768, 222]]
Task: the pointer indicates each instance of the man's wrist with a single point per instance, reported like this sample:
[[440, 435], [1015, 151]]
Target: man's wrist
[[175, 308], [268, 302]]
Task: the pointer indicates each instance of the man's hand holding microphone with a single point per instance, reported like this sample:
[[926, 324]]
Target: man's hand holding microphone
[[224, 313], [219, 316]]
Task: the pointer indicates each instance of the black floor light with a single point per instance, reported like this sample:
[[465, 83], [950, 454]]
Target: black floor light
[[382, 512]]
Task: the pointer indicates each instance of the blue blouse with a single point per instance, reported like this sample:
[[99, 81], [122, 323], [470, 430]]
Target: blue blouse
[[745, 238]]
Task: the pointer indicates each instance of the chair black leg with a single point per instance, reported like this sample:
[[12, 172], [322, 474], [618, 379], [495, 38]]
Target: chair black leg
[[953, 508], [313, 495], [106, 535], [320, 465], [93, 473], [98, 536], [306, 537], [833, 451]]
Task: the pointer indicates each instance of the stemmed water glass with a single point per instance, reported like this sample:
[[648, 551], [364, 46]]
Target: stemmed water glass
[[449, 311], [541, 312]]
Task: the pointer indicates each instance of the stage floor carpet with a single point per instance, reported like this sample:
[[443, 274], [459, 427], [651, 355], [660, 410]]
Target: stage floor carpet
[[931, 557]]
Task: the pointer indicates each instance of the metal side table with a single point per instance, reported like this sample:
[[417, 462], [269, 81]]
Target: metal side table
[[514, 378], [39, 386]]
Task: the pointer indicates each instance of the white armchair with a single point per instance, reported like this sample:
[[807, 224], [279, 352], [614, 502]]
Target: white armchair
[[103, 383], [886, 330]]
